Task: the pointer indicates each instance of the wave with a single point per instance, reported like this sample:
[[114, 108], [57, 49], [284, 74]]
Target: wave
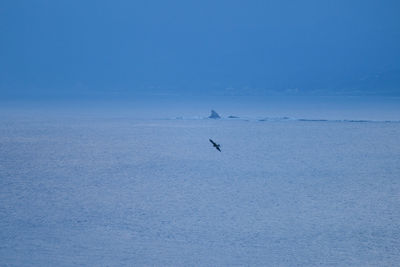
[[326, 120], [285, 119]]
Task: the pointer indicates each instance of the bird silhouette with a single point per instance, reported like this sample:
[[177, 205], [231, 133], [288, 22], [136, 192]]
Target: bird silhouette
[[215, 145]]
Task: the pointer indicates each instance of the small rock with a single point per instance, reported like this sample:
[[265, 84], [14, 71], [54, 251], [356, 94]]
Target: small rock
[[214, 115]]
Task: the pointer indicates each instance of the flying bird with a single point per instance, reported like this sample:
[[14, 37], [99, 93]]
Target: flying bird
[[215, 145]]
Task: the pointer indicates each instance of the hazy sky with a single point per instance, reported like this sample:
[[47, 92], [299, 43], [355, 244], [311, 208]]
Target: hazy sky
[[59, 47]]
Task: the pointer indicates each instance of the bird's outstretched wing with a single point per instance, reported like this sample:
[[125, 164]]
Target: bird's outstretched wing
[[212, 142]]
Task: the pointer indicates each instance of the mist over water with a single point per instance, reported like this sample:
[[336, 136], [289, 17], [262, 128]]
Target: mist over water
[[154, 60], [162, 107], [73, 50]]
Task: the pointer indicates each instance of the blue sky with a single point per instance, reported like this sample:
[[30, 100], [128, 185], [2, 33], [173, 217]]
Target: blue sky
[[174, 47]]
